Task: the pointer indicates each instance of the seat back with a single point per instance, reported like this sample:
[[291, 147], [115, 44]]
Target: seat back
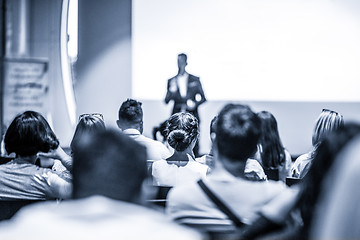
[[8, 208], [291, 181], [272, 174]]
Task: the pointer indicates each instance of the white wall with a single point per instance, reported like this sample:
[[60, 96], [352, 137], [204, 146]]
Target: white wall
[[103, 68], [256, 50]]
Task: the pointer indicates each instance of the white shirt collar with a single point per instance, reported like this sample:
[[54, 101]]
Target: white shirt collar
[[131, 131]]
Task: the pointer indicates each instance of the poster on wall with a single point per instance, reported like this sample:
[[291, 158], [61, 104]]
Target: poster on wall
[[26, 87]]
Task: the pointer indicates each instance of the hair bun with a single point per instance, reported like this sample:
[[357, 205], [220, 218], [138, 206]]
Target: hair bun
[[179, 140], [177, 135]]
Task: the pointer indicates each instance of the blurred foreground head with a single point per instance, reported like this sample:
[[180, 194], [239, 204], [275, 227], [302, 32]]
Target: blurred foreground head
[[237, 132], [111, 164]]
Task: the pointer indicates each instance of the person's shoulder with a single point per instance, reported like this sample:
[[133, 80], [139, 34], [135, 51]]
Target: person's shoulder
[[287, 153], [303, 157], [201, 159], [193, 77], [288, 157], [159, 145], [144, 138], [172, 78]]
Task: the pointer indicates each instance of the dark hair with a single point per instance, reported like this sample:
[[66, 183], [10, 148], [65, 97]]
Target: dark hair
[[272, 154], [131, 111], [324, 158], [161, 129], [182, 129], [87, 125], [28, 134], [237, 132], [111, 164]]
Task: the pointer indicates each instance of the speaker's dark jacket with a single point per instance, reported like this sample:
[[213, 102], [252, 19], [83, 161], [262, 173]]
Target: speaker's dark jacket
[[194, 95]]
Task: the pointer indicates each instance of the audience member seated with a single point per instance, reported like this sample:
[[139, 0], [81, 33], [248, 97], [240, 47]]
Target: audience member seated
[[21, 179], [306, 196], [131, 123], [274, 158], [253, 170], [108, 172], [237, 135], [88, 124], [338, 215], [208, 159], [327, 122], [181, 167]]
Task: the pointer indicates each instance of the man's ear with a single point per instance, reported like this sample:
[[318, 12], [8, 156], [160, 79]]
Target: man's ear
[[118, 124], [212, 137], [141, 126]]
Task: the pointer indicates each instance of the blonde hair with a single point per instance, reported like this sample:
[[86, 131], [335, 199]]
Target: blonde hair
[[328, 121]]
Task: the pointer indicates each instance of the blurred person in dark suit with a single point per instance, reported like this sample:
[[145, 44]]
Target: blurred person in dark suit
[[186, 91]]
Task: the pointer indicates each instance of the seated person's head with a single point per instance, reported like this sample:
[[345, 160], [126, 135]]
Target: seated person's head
[[28, 134], [328, 121], [182, 131], [269, 124], [237, 132], [111, 164], [130, 115], [88, 124], [324, 158]]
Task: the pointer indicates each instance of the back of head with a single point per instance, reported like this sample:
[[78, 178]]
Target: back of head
[[183, 56], [131, 114], [88, 124], [237, 132], [111, 164], [273, 153], [182, 130], [327, 122], [28, 134]]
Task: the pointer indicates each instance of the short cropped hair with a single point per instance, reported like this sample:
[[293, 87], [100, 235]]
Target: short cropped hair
[[183, 55], [87, 125], [111, 164], [237, 132], [131, 111], [28, 134], [328, 121], [182, 130]]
